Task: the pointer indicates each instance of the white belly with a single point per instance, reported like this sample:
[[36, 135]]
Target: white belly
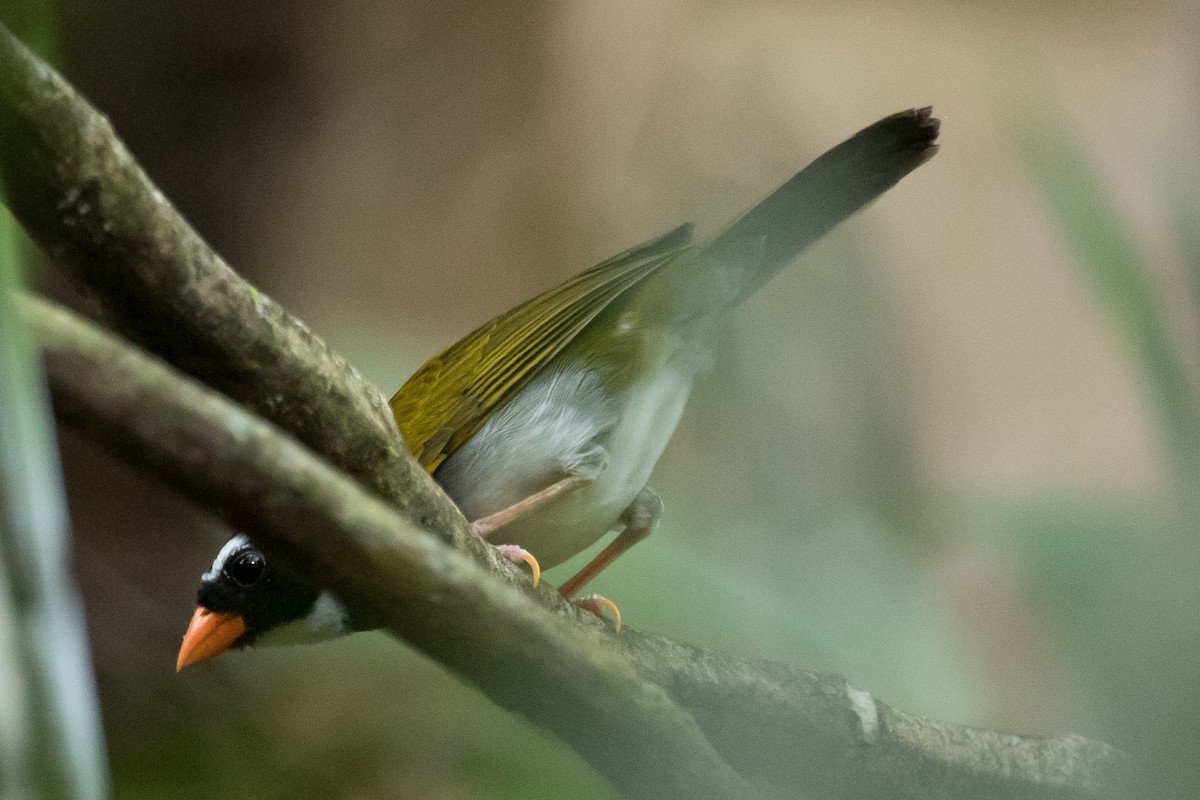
[[556, 421]]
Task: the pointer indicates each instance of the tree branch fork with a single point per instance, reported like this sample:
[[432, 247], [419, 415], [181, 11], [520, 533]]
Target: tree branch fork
[[242, 408]]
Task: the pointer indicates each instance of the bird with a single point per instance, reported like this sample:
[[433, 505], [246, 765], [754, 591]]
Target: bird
[[544, 424]]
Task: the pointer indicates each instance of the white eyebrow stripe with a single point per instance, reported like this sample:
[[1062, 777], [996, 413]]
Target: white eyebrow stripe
[[237, 542]]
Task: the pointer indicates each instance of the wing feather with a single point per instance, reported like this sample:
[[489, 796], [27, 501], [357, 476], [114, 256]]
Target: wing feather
[[448, 399]]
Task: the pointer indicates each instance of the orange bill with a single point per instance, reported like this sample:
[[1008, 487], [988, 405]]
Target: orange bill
[[209, 634]]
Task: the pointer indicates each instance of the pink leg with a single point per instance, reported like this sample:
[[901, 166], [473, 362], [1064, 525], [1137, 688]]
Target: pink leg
[[640, 519], [484, 526], [577, 477]]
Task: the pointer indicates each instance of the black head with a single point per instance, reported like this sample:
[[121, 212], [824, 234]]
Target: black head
[[246, 599]]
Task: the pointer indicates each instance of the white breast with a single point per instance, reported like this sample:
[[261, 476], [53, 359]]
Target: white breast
[[558, 419]]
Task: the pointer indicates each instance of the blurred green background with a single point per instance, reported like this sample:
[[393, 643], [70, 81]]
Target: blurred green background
[[951, 454]]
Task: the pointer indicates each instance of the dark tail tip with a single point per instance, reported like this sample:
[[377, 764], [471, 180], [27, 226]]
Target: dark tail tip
[[913, 132], [830, 189]]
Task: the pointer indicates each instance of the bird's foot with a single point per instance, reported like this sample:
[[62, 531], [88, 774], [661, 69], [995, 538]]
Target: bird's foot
[[517, 555], [596, 604]]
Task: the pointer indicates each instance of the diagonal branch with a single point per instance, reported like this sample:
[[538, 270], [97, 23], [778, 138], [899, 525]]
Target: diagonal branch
[[787, 729], [82, 197], [79, 193], [564, 677]]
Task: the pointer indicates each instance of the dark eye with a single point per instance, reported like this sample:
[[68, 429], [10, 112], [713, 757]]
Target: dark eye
[[247, 568]]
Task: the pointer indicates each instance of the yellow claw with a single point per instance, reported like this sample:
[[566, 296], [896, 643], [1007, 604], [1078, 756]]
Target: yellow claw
[[516, 553], [594, 603], [533, 565]]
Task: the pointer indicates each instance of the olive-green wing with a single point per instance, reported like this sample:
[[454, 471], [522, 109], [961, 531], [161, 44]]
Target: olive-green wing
[[448, 399]]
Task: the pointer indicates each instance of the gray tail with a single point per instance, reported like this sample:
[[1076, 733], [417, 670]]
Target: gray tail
[[727, 269], [833, 187]]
